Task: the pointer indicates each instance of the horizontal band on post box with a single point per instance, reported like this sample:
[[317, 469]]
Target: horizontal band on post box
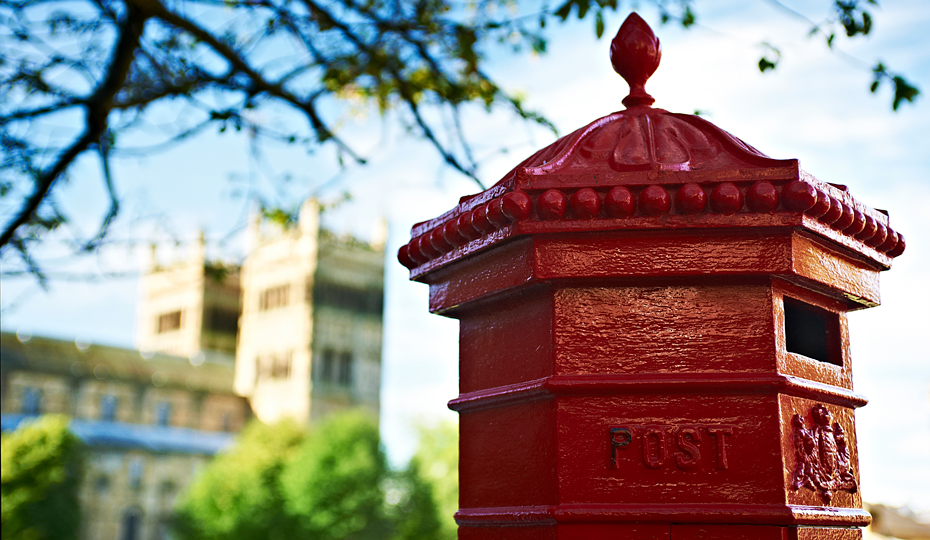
[[739, 225], [771, 514], [656, 383], [622, 258]]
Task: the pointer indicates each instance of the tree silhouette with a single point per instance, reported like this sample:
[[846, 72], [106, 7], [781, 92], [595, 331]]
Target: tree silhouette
[[94, 76]]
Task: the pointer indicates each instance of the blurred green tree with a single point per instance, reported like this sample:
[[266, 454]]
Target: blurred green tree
[[238, 496], [437, 461], [333, 485], [282, 482], [413, 507], [41, 469]]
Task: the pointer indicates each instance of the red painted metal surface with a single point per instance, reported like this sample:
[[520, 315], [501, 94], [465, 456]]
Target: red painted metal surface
[[653, 339]]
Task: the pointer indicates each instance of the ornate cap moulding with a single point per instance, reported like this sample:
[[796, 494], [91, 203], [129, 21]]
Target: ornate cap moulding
[[647, 168]]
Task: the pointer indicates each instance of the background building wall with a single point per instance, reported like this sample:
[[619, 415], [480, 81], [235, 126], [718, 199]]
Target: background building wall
[[348, 321], [275, 331], [307, 344], [188, 306]]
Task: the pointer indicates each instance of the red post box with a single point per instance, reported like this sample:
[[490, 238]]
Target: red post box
[[653, 336]]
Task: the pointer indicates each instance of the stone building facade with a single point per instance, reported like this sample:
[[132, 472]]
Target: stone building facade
[[310, 331], [296, 332], [150, 422], [189, 307]]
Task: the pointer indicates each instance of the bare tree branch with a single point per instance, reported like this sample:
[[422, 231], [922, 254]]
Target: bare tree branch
[[98, 107], [260, 84]]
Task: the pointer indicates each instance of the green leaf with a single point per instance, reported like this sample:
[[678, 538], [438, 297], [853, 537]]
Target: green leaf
[[688, 18], [599, 24], [583, 6], [903, 91], [538, 44], [564, 10], [765, 64]]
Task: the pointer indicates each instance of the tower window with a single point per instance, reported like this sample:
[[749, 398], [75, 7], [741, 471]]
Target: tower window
[[222, 320], [274, 297], [169, 321], [363, 301], [281, 365], [336, 369], [812, 332]]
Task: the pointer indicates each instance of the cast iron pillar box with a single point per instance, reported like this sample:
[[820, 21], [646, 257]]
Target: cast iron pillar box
[[653, 337]]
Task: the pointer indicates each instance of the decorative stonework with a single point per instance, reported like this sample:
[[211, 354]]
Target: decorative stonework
[[822, 456]]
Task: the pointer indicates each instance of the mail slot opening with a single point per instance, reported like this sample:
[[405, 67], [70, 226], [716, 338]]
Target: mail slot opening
[[812, 332]]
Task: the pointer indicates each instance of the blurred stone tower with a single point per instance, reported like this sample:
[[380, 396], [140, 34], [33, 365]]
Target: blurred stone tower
[[189, 308], [310, 330]]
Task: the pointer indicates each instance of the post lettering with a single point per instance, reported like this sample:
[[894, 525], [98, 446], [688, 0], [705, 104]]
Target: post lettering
[[619, 437], [721, 432], [656, 459], [688, 440], [685, 441]]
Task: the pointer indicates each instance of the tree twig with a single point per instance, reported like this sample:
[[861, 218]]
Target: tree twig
[[98, 107]]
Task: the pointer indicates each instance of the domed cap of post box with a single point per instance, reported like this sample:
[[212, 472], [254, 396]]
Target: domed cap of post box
[[646, 168]]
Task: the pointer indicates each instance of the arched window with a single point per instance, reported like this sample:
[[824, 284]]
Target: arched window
[[132, 522]]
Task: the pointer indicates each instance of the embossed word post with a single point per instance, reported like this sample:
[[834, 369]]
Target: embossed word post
[[653, 337]]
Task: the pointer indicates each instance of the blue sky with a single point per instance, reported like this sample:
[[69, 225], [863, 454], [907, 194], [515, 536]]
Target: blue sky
[[814, 107]]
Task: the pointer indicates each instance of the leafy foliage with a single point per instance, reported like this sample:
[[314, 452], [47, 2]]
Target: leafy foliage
[[217, 272], [94, 77], [333, 486], [853, 17], [903, 90], [415, 513], [437, 461], [100, 67], [238, 495], [770, 59], [283, 482], [42, 466]]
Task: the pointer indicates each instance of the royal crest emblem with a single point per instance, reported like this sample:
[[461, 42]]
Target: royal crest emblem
[[822, 456]]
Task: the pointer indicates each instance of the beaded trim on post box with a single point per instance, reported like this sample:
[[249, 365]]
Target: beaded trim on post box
[[616, 208]]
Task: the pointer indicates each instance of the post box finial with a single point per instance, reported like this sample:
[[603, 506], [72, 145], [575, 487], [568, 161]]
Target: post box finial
[[635, 53]]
